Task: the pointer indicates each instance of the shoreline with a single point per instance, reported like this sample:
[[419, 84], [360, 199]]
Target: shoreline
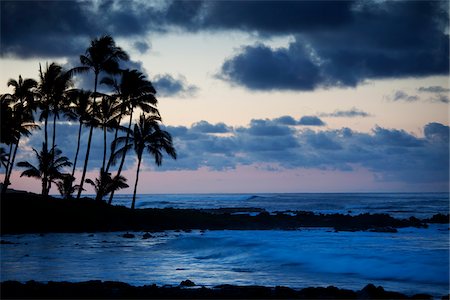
[[188, 290], [23, 212]]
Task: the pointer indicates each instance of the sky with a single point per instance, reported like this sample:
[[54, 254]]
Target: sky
[[261, 96]]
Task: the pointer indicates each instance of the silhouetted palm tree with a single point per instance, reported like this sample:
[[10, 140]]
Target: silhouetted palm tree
[[54, 82], [105, 184], [101, 56], [135, 91], [49, 166], [65, 186], [147, 135], [81, 110], [106, 116], [16, 119]]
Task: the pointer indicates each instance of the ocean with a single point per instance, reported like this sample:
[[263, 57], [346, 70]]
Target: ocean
[[413, 260]]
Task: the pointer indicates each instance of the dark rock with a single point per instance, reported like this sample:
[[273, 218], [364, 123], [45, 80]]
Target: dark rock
[[439, 219], [147, 236], [187, 282], [128, 235], [384, 229], [3, 242]]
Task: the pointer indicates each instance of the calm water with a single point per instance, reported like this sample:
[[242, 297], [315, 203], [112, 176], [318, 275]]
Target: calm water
[[410, 261]]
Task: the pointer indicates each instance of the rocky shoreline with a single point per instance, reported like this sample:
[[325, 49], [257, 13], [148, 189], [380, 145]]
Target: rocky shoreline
[[186, 290], [23, 212]]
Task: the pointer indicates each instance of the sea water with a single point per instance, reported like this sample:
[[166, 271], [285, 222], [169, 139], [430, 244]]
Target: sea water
[[400, 205], [414, 260]]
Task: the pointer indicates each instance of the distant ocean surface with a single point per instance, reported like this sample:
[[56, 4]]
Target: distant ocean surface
[[411, 261], [420, 205]]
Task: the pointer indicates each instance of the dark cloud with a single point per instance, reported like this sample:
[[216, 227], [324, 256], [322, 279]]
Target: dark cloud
[[168, 86], [288, 69], [352, 113], [141, 46], [276, 17], [337, 43], [310, 121], [382, 40]]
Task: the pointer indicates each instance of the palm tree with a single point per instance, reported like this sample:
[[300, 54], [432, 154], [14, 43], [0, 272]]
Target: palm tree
[[65, 186], [17, 119], [106, 116], [105, 184], [101, 56], [135, 91], [49, 166], [54, 82], [81, 110], [147, 135]]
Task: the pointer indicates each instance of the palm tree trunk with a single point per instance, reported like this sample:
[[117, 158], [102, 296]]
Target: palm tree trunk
[[53, 147], [113, 146], [136, 183], [104, 148], [45, 131], [54, 131], [5, 181], [78, 149], [44, 185], [124, 153], [12, 161], [83, 176]]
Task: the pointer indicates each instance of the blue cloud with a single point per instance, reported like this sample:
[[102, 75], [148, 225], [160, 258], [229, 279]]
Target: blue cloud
[[310, 121], [206, 127], [390, 154], [352, 113], [168, 86]]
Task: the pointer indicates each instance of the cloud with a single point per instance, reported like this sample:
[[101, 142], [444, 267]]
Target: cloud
[[390, 154], [206, 127], [310, 121], [168, 86], [275, 17], [352, 113], [367, 47], [440, 93], [402, 96], [141, 46], [336, 43], [433, 89]]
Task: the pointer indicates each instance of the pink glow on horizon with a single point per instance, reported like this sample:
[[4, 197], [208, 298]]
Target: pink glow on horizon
[[243, 179]]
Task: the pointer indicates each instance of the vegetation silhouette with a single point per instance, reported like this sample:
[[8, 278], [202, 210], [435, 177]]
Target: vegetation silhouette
[[55, 96], [17, 120], [101, 56], [147, 135], [135, 91], [50, 163]]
